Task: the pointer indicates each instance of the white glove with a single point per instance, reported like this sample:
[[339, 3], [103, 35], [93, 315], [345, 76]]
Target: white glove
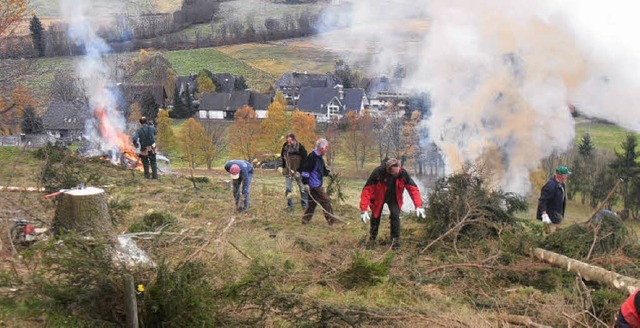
[[279, 170], [546, 219], [365, 217], [306, 188], [420, 213]]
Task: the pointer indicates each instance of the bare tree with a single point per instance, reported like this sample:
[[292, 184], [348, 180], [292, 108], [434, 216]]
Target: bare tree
[[216, 142]]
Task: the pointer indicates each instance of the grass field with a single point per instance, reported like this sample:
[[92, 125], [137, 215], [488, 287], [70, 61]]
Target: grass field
[[192, 61], [278, 58], [604, 136]]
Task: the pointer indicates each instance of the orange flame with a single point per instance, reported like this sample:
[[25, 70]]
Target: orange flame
[[117, 139]]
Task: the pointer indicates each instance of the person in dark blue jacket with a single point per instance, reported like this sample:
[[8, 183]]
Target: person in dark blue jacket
[[312, 172], [553, 199], [241, 172], [145, 138]]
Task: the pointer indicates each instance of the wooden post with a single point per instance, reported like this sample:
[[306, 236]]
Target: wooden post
[[130, 302]]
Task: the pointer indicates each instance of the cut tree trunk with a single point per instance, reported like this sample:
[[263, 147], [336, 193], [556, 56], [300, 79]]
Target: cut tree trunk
[[84, 211], [588, 272]]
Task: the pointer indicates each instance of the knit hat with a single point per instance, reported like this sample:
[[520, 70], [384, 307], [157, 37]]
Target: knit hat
[[235, 171]]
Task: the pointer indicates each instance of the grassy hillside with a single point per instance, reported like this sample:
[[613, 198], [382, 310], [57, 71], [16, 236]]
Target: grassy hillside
[[192, 61], [278, 58], [605, 136], [267, 260]]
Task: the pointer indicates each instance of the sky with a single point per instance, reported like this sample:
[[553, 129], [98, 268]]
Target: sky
[[502, 73]]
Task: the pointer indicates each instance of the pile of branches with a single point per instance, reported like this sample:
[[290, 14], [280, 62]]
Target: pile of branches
[[605, 236], [462, 205]]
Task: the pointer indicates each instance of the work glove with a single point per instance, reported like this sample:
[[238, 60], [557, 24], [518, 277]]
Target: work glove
[[305, 188], [420, 213], [365, 217], [279, 169], [546, 219]]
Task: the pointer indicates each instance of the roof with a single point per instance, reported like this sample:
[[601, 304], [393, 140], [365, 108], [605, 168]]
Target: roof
[[66, 115], [300, 80], [224, 81], [133, 92], [353, 99], [260, 101], [233, 101], [316, 99], [384, 84], [182, 81], [214, 101]]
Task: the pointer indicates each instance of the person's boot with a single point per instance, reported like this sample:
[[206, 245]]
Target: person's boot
[[371, 243], [395, 244]]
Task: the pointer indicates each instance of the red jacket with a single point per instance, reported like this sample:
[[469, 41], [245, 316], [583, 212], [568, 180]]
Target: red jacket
[[373, 193], [630, 309]]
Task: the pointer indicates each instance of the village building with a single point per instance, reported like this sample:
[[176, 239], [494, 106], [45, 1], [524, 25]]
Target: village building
[[65, 120], [290, 84], [223, 105], [334, 102]]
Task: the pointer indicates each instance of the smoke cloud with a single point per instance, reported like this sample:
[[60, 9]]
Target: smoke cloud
[[105, 131], [502, 73]]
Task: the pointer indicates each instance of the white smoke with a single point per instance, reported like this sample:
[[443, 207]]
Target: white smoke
[[92, 69], [502, 73]]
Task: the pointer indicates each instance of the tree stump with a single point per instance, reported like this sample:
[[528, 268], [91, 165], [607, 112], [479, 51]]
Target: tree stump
[[84, 211]]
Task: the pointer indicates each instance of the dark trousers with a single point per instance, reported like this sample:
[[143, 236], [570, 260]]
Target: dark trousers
[[394, 219], [149, 160], [319, 196]]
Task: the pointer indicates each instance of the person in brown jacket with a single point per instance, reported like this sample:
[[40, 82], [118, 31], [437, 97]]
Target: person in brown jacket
[[293, 154]]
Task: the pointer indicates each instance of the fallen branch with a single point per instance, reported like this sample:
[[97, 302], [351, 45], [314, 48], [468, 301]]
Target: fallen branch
[[461, 265], [239, 250], [20, 189], [522, 321], [587, 271]]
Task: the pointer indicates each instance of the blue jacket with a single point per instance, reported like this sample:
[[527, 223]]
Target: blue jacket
[[313, 170], [246, 171], [552, 200]]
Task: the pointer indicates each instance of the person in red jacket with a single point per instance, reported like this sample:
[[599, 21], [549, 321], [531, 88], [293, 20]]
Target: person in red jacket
[[386, 185], [629, 314]]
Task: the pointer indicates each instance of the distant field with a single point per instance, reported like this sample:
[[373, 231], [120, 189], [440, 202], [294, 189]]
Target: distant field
[[192, 61], [278, 58], [605, 136]]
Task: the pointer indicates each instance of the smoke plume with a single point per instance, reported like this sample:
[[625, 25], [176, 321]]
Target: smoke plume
[[502, 73], [105, 131]]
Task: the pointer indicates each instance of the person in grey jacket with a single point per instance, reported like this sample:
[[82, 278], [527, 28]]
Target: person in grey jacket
[[145, 138]]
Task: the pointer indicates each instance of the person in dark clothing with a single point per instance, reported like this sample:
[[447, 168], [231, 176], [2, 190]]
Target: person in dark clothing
[[312, 172], [629, 314], [145, 138], [386, 186], [553, 200], [293, 154], [241, 172]]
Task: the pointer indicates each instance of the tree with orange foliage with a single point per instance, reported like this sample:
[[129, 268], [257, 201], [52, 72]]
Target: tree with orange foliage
[[273, 128], [358, 138], [12, 12], [411, 140], [303, 125], [191, 142], [12, 111], [244, 134]]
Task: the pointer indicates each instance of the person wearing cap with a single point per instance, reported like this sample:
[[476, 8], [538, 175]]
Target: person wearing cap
[[292, 155], [145, 138], [629, 314], [385, 185], [241, 172], [311, 173], [553, 200]]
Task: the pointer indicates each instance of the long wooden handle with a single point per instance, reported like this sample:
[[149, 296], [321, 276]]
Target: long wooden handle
[[54, 194]]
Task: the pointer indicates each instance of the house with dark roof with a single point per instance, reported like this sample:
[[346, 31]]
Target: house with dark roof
[[223, 105], [383, 91], [291, 83], [65, 120], [133, 92], [225, 82], [328, 103], [186, 82]]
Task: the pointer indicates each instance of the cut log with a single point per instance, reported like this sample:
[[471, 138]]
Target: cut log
[[589, 272], [84, 211]]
